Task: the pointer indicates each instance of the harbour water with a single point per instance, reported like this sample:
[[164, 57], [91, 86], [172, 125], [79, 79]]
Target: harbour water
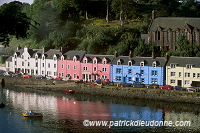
[[67, 113]]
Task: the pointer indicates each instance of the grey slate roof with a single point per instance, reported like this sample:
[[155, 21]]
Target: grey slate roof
[[183, 61], [175, 23], [70, 54], [9, 59], [90, 58], [51, 52], [161, 61]]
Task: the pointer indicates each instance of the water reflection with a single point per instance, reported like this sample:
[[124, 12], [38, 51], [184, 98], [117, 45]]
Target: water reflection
[[65, 113]]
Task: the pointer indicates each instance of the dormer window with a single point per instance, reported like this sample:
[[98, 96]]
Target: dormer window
[[28, 57], [54, 58], [74, 59], [130, 63], [43, 57], [62, 58], [85, 61], [36, 57], [119, 62], [173, 65], [15, 56], [188, 66], [104, 62], [22, 56], [95, 61], [142, 64], [154, 64]]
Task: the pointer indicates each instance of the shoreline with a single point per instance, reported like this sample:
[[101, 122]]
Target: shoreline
[[110, 91]]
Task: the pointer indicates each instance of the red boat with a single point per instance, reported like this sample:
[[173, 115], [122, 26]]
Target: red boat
[[69, 91]]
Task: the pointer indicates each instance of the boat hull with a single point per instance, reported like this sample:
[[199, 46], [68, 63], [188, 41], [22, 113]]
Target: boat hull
[[35, 115]]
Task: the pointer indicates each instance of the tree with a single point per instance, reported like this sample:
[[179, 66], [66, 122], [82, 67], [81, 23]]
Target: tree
[[13, 22]]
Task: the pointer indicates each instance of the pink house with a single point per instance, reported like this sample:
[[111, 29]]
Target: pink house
[[95, 67], [69, 65]]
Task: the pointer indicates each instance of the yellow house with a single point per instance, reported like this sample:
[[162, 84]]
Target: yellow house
[[183, 71]]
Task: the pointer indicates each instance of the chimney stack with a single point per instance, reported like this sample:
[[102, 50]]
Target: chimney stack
[[153, 15], [115, 54], [18, 48], [130, 54]]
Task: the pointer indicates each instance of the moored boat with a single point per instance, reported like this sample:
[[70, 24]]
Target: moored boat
[[69, 91], [32, 114]]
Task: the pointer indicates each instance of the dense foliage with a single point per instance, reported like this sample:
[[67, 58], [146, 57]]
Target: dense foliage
[[101, 26]]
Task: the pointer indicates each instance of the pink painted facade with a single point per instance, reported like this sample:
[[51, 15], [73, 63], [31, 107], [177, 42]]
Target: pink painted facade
[[69, 65], [95, 67]]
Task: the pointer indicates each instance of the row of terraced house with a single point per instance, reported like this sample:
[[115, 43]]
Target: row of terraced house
[[76, 65]]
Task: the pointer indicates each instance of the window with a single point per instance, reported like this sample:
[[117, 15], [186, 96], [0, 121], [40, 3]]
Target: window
[[142, 64], [104, 62], [85, 69], [118, 70], [168, 35], [154, 80], [48, 65], [54, 73], [187, 75], [42, 72], [104, 77], [195, 36], [179, 74], [36, 57], [62, 74], [142, 80], [85, 61], [95, 69], [36, 71], [15, 62], [142, 72], [15, 56], [74, 67], [187, 82], [75, 76], [154, 64], [194, 75], [74, 59], [62, 66], [118, 78], [154, 73], [173, 74], [173, 65], [22, 56], [28, 57], [54, 58], [130, 63], [103, 69], [198, 75], [22, 63], [129, 71], [42, 57], [42, 64], [68, 66], [118, 62], [62, 58], [188, 66], [177, 35], [157, 35], [28, 63], [172, 81], [54, 65], [129, 79], [95, 61], [186, 35]]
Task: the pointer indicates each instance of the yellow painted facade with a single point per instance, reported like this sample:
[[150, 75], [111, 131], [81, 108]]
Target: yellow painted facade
[[182, 76]]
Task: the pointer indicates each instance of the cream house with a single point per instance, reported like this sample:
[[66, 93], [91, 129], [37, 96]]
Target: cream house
[[183, 71]]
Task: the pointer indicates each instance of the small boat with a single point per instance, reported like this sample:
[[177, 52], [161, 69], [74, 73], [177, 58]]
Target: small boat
[[69, 91], [31, 114], [2, 105]]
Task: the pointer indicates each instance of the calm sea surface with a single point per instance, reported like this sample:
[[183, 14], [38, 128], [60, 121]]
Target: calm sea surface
[[66, 113]]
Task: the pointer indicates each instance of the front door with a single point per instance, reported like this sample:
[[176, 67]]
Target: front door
[[179, 82]]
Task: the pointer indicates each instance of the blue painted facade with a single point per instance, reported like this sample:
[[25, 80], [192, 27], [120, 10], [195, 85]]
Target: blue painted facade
[[146, 70]]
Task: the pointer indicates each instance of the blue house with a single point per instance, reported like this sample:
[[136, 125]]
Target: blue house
[[147, 70]]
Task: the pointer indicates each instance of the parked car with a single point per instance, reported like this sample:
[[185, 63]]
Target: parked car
[[39, 77], [194, 89], [169, 87], [154, 86], [79, 82], [49, 78], [26, 76], [16, 75], [178, 88], [138, 85], [58, 78]]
